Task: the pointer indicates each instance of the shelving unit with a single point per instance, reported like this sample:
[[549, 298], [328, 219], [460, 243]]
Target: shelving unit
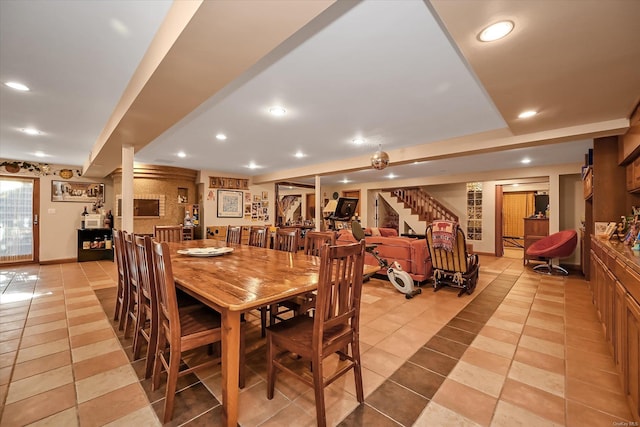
[[89, 238]]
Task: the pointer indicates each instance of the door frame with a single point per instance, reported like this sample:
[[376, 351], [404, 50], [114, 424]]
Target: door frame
[[499, 247], [35, 220]]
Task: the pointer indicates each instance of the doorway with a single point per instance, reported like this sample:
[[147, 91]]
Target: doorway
[[516, 205], [19, 214]]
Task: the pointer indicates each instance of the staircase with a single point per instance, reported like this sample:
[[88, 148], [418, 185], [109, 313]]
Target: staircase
[[417, 208]]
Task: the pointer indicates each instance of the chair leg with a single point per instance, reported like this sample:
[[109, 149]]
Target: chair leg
[[271, 368], [263, 321], [123, 308], [241, 377], [357, 370], [157, 362], [318, 387], [138, 326], [172, 381]]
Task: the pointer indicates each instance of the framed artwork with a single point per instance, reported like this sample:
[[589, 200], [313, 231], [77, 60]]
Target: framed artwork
[[70, 191], [230, 204]]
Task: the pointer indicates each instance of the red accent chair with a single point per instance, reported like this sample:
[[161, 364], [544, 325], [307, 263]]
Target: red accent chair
[[557, 245]]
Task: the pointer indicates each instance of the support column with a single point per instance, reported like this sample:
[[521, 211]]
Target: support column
[[127, 188], [554, 203]]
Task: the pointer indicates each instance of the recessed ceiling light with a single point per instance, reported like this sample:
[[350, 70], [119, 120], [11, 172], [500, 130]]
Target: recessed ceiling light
[[345, 181], [277, 111], [31, 131], [221, 136], [391, 176], [496, 31], [182, 154], [253, 165], [358, 141], [39, 154], [515, 185], [17, 86], [527, 114], [525, 161], [299, 154]]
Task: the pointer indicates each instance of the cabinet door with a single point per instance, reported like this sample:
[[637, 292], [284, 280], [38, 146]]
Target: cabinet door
[[631, 370], [636, 174], [618, 325]]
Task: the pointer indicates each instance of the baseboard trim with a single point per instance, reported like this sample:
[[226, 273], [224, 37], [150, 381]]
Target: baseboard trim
[[59, 261]]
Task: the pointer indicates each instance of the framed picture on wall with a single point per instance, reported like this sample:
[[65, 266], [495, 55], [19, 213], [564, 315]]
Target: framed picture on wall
[[230, 204], [71, 191]]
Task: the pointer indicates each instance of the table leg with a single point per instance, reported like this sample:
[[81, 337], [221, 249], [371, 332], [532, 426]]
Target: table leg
[[230, 366]]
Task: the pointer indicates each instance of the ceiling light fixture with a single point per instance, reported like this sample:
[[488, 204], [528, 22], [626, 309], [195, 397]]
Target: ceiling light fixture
[[345, 181], [527, 114], [277, 111], [358, 141], [526, 161], [17, 86], [299, 154], [252, 165], [496, 31], [31, 131], [221, 137], [182, 154], [39, 154], [391, 176], [380, 159]]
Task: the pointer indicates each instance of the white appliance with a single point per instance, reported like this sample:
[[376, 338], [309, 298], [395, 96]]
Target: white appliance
[[93, 221]]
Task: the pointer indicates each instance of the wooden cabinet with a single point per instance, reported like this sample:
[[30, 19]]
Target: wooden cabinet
[[95, 244], [633, 175], [631, 372], [615, 283], [534, 230]]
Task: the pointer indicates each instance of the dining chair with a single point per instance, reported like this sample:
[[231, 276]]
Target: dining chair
[[167, 233], [286, 239], [146, 326], [314, 240], [234, 235], [333, 329], [121, 265], [130, 309], [181, 330], [258, 236]]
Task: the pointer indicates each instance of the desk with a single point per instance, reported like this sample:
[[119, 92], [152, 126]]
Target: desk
[[235, 283]]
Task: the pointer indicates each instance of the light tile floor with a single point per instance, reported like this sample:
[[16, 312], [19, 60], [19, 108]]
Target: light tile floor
[[524, 349]]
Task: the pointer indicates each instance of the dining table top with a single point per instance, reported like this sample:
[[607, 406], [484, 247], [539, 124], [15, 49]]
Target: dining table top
[[247, 278]]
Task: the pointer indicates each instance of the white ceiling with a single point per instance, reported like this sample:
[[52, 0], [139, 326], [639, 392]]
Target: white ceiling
[[387, 71]]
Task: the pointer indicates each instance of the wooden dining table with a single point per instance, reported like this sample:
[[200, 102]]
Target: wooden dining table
[[234, 283]]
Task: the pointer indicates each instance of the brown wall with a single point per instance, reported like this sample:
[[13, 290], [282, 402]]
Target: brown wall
[[149, 179]]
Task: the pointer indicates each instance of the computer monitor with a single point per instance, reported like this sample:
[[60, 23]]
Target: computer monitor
[[346, 208]]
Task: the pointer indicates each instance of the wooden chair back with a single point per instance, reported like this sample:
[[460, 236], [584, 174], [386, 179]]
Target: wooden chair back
[[286, 239], [315, 240], [338, 296], [258, 236], [147, 303], [455, 261], [121, 265], [132, 289], [234, 235], [167, 233]]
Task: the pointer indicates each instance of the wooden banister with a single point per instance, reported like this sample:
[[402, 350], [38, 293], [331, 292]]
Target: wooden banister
[[423, 204]]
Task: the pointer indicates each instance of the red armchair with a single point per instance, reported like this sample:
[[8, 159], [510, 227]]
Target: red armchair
[[557, 245]]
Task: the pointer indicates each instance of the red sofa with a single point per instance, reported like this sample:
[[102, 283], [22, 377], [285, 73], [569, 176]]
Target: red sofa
[[412, 254]]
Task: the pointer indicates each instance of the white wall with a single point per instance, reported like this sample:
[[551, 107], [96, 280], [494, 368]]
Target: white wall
[[59, 221]]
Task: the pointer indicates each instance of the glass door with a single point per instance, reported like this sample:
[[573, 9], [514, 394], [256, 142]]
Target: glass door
[[19, 229]]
